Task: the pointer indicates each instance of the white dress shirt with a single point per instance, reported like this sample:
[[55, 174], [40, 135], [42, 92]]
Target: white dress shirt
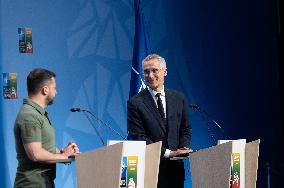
[[163, 98]]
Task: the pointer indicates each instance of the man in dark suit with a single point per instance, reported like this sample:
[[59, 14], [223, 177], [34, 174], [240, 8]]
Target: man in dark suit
[[160, 114]]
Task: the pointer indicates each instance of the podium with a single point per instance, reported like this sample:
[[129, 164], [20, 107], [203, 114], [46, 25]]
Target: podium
[[211, 167], [101, 168]]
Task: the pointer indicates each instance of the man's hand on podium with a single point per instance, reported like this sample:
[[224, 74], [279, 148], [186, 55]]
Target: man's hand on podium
[[182, 152], [70, 150]]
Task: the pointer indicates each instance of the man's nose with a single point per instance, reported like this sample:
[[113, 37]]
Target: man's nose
[[151, 74]]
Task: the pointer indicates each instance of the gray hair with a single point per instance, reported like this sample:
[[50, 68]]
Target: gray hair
[[155, 56]]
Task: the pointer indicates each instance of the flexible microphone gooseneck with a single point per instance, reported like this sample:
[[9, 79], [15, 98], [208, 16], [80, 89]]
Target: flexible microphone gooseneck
[[206, 117], [86, 112], [195, 106], [91, 122]]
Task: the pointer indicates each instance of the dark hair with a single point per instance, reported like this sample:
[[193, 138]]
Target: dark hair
[[37, 78]]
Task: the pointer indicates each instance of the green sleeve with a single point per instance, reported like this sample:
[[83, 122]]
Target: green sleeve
[[30, 131]]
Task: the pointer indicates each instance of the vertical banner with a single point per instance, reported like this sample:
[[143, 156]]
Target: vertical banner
[[132, 165], [22, 40], [25, 40], [29, 43], [235, 177], [10, 85], [123, 172]]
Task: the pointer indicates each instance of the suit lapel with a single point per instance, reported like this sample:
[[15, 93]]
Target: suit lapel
[[150, 103], [170, 101]]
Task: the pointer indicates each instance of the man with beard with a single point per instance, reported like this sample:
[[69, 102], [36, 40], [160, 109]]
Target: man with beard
[[35, 136]]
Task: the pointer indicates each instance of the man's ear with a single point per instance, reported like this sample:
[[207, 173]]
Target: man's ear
[[166, 72], [44, 90]]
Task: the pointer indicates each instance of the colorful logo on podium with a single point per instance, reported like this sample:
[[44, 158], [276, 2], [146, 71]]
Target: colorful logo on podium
[[129, 172], [235, 174]]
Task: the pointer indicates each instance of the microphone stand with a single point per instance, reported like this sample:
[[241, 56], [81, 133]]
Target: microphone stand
[[106, 125], [94, 127], [206, 117]]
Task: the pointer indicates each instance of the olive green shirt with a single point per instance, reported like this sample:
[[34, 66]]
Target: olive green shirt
[[33, 125]]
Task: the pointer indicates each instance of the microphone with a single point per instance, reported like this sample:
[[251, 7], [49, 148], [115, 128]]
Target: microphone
[[207, 117], [75, 110], [86, 112]]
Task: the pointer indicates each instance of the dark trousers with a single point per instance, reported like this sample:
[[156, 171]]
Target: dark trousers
[[39, 180], [171, 174]]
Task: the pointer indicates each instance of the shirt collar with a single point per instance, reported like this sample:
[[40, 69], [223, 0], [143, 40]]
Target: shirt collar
[[35, 105], [153, 92]]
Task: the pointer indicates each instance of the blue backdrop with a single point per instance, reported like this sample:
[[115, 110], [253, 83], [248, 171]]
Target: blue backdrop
[[221, 54]]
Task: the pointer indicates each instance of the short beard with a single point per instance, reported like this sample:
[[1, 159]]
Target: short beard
[[49, 101]]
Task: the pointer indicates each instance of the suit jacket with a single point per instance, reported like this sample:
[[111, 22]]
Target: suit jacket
[[145, 123]]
